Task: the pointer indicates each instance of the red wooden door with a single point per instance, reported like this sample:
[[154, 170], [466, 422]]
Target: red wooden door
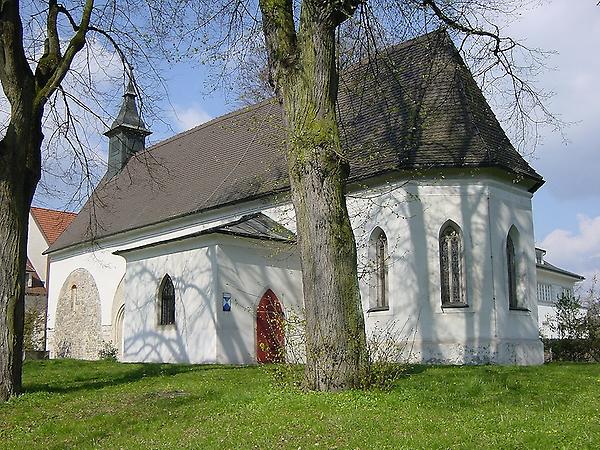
[[270, 337]]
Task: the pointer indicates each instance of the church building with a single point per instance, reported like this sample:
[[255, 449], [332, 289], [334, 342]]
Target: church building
[[185, 252]]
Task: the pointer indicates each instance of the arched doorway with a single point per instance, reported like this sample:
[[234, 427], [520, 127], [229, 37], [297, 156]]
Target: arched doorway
[[270, 336], [118, 317], [119, 331]]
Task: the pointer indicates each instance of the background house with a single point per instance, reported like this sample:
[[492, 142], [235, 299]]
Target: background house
[[45, 226], [552, 283]]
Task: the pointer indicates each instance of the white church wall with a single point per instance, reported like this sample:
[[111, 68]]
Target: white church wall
[[412, 217], [517, 329], [412, 213], [108, 269], [192, 339], [247, 269]]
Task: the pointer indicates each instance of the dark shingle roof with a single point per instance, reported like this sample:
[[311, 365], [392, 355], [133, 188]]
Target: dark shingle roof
[[416, 107], [552, 268], [256, 226], [252, 226]]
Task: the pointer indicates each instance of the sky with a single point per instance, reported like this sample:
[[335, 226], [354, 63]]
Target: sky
[[567, 208]]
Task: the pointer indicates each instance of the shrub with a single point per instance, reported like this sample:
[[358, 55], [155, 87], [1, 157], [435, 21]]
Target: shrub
[[578, 328], [108, 351], [577, 350]]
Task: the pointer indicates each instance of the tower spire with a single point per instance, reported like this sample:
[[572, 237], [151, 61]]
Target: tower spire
[[127, 134]]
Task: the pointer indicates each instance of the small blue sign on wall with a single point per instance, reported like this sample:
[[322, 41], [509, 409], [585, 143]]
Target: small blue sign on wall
[[226, 301]]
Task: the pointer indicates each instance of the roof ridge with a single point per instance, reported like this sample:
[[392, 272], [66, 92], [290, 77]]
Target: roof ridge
[[54, 210], [377, 123], [355, 66], [387, 50], [460, 65], [264, 102], [211, 122]]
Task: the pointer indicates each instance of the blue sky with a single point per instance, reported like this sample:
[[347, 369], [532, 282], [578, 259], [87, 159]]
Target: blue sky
[[567, 207]]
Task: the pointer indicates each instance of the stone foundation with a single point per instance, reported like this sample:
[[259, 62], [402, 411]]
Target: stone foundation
[[506, 352]]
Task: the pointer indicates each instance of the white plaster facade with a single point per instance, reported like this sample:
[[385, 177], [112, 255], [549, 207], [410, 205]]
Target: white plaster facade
[[36, 245], [484, 204]]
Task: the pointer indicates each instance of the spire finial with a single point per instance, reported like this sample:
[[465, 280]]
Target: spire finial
[[131, 84]]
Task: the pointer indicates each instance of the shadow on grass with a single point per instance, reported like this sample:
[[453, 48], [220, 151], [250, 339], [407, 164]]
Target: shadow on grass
[[92, 375], [415, 369]]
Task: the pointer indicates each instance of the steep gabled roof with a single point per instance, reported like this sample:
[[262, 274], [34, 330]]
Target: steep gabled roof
[[51, 222], [416, 107], [252, 226], [29, 266]]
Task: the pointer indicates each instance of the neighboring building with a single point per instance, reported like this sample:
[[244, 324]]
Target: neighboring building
[[35, 311], [45, 225], [552, 283], [186, 252]]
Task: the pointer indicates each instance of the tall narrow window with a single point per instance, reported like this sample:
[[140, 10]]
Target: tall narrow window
[[73, 296], [379, 256], [511, 264], [451, 266], [167, 301]]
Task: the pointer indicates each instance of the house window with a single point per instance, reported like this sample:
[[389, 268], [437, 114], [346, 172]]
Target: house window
[[544, 293], [452, 266], [378, 256], [167, 301]]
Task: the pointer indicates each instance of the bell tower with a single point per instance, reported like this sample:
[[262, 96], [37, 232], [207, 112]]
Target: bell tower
[[127, 135]]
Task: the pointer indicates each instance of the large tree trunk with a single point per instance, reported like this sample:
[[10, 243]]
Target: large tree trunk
[[19, 174], [335, 336], [20, 161]]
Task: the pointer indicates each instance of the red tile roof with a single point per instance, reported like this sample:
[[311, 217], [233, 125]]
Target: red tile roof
[[51, 222]]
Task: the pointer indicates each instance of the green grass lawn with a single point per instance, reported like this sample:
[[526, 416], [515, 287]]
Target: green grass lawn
[[111, 405]]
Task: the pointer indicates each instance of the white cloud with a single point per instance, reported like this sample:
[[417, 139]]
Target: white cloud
[[578, 252], [572, 29], [189, 117]]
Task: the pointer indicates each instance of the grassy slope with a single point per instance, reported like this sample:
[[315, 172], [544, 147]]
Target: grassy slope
[[109, 405]]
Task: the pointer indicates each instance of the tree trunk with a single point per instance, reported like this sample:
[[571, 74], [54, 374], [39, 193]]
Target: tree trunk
[[20, 160], [335, 336], [19, 174]]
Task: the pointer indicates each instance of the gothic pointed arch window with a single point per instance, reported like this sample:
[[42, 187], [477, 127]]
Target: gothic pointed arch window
[[166, 295], [378, 253], [514, 270], [452, 277]]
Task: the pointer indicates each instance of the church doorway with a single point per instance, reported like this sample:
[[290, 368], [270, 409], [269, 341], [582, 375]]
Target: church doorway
[[270, 335], [119, 331]]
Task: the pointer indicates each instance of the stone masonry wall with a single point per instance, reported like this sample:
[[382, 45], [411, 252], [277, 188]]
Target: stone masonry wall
[[78, 332]]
